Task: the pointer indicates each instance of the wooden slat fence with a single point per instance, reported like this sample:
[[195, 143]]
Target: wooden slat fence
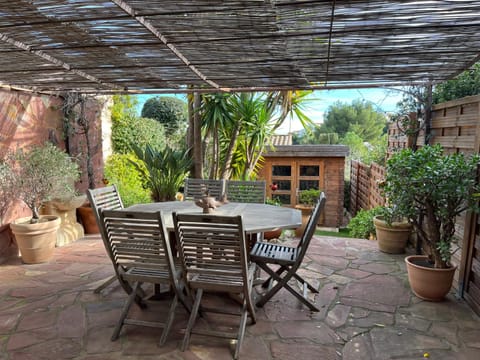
[[364, 182]]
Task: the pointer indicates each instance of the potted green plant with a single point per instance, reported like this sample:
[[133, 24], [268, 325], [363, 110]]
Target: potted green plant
[[40, 173], [306, 202], [392, 231], [431, 189]]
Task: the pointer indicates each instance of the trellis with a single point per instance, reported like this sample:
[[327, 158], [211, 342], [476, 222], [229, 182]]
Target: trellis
[[159, 46]]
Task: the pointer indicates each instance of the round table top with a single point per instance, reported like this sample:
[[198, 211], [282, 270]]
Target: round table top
[[256, 217]]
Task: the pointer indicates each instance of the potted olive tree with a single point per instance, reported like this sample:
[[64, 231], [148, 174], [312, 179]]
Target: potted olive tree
[[431, 189], [40, 174]]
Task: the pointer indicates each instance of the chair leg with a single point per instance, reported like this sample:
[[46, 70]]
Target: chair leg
[[305, 282], [241, 329], [169, 320], [282, 282], [125, 310], [105, 284], [300, 297], [266, 284], [191, 320]]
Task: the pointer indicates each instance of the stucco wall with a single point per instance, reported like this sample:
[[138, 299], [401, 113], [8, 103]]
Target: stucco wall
[[27, 119]]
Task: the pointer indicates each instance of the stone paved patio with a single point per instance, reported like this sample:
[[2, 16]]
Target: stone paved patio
[[49, 311]]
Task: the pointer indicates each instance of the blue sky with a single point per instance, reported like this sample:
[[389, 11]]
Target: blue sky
[[384, 100]]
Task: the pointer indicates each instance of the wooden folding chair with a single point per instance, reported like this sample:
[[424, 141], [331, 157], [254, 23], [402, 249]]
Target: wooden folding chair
[[214, 259], [246, 191], [104, 198], [142, 254], [196, 188], [289, 260]]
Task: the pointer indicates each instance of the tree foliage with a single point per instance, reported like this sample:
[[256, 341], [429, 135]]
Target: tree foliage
[[359, 117], [238, 126], [42, 173], [168, 110], [465, 84], [128, 129], [357, 125]]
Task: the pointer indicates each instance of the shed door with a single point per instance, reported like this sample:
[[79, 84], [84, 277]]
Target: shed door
[[282, 175]]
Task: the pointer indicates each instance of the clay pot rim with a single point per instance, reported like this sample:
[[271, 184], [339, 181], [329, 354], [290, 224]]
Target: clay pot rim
[[409, 261], [379, 220]]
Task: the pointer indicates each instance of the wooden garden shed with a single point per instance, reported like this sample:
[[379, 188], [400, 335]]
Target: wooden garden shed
[[294, 168]]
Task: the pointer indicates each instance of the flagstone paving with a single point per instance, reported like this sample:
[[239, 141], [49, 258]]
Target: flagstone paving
[[367, 311]]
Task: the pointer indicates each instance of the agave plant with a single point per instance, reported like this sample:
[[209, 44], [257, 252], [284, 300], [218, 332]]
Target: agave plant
[[165, 170]]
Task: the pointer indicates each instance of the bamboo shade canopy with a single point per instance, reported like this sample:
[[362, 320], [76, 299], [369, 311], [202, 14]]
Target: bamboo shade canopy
[[154, 46]]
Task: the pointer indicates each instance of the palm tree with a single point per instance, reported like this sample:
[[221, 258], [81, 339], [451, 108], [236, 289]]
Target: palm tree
[[240, 126]]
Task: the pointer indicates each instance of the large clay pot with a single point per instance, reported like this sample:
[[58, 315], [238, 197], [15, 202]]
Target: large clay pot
[[306, 212], [392, 238], [427, 282], [36, 242], [89, 222]]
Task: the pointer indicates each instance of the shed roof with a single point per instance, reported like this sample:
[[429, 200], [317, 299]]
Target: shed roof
[[156, 46], [307, 151]]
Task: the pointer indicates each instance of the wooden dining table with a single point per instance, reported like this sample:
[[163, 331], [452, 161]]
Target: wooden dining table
[[257, 218]]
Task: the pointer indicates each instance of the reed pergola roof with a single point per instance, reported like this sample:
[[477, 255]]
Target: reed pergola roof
[[154, 46]]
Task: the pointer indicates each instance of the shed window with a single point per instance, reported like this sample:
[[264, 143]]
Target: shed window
[[309, 170], [281, 170]]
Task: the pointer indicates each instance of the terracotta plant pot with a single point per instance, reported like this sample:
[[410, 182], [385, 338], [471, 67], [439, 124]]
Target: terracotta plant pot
[[392, 239], [88, 220], [306, 212], [36, 242], [428, 283], [272, 234]]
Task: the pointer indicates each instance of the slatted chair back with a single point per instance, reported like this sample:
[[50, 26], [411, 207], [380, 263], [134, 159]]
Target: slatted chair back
[[310, 229], [281, 262], [196, 188], [246, 191], [141, 254], [106, 197], [137, 239], [109, 198], [213, 253]]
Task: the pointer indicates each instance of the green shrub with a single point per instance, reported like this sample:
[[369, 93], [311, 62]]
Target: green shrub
[[309, 197], [119, 170], [361, 226], [129, 130]]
